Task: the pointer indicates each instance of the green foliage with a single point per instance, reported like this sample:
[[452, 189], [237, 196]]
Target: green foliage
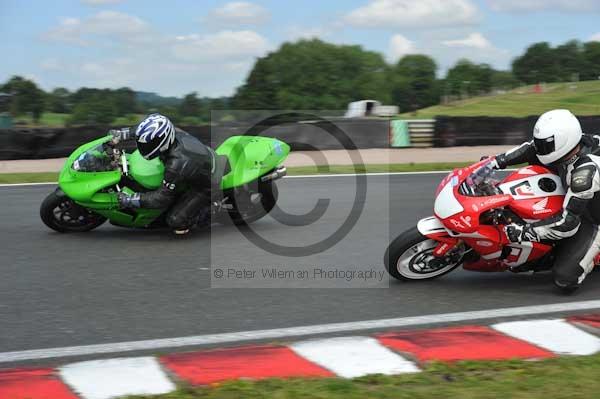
[[93, 110], [591, 55], [311, 74], [467, 78], [26, 97], [315, 75], [58, 101], [414, 84], [567, 62], [190, 106], [124, 101], [504, 80]]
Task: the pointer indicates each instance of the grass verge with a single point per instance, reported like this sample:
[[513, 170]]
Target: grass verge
[[582, 98], [13, 178], [566, 377]]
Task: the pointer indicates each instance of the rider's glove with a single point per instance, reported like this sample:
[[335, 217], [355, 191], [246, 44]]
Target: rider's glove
[[493, 163], [120, 135], [519, 233], [128, 201]]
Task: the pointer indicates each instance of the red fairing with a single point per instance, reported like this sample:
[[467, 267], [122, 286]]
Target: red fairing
[[532, 193], [537, 192]]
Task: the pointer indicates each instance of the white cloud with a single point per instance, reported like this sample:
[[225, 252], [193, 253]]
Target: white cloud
[[544, 5], [68, 31], [224, 45], [238, 13], [470, 45], [212, 64], [101, 2], [414, 14], [595, 38], [400, 46], [104, 23], [475, 40]]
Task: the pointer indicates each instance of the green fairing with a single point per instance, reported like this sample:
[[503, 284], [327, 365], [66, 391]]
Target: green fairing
[[148, 173], [81, 186], [249, 158]]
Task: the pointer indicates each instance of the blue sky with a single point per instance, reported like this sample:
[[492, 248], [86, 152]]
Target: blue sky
[[178, 46]]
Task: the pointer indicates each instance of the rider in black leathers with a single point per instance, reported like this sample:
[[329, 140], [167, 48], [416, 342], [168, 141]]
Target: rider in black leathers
[[560, 145], [187, 162]]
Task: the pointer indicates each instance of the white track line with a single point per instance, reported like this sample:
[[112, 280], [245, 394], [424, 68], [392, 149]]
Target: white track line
[[27, 184], [278, 333], [433, 172], [285, 177]]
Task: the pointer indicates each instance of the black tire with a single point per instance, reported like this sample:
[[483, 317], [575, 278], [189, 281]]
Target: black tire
[[269, 195], [399, 247], [55, 209]]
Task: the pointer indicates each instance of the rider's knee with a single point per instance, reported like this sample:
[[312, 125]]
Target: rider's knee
[[177, 221], [568, 281]]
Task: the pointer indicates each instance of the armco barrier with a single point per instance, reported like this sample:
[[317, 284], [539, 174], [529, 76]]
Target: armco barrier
[[307, 135], [469, 131]]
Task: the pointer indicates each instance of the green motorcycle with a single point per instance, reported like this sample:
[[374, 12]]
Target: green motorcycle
[[96, 172]]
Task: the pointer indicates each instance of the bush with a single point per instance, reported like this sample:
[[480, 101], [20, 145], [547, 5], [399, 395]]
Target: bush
[[92, 111]]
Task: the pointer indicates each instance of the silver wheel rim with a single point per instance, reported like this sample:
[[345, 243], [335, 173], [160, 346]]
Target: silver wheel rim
[[412, 264]]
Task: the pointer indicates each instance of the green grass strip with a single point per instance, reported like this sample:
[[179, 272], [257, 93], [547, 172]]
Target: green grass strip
[[13, 178]]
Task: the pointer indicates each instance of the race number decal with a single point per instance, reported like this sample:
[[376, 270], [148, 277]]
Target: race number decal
[[523, 188]]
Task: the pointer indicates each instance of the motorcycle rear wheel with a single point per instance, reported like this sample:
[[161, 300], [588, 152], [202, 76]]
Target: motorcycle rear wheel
[[62, 214], [267, 195], [410, 258]]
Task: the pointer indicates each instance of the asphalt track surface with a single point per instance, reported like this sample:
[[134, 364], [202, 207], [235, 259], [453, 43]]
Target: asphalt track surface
[[115, 285]]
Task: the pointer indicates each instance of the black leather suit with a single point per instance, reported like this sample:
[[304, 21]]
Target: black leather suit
[[189, 164], [577, 226]]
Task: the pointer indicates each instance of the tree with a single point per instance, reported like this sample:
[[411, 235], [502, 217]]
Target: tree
[[124, 101], [591, 54], [414, 84], [93, 110], [58, 101], [312, 74], [570, 61], [26, 97], [468, 78], [504, 80], [538, 64], [190, 106]]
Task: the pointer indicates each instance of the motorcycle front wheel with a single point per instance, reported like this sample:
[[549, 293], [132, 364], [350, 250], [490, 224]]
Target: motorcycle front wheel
[[62, 214], [410, 257]]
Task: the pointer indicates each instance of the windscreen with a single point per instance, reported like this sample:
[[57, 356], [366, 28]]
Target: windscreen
[[94, 160], [481, 182]]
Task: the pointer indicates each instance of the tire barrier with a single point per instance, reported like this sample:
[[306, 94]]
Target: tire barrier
[[23, 143], [471, 131]]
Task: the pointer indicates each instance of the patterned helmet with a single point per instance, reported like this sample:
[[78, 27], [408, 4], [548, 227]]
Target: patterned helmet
[[154, 135]]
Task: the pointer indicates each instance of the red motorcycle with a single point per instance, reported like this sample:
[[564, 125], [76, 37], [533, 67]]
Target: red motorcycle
[[471, 209]]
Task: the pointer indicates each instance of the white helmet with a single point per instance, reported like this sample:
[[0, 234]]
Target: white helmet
[[556, 133]]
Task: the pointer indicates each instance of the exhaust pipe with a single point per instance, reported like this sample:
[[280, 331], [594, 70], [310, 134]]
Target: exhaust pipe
[[276, 174]]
